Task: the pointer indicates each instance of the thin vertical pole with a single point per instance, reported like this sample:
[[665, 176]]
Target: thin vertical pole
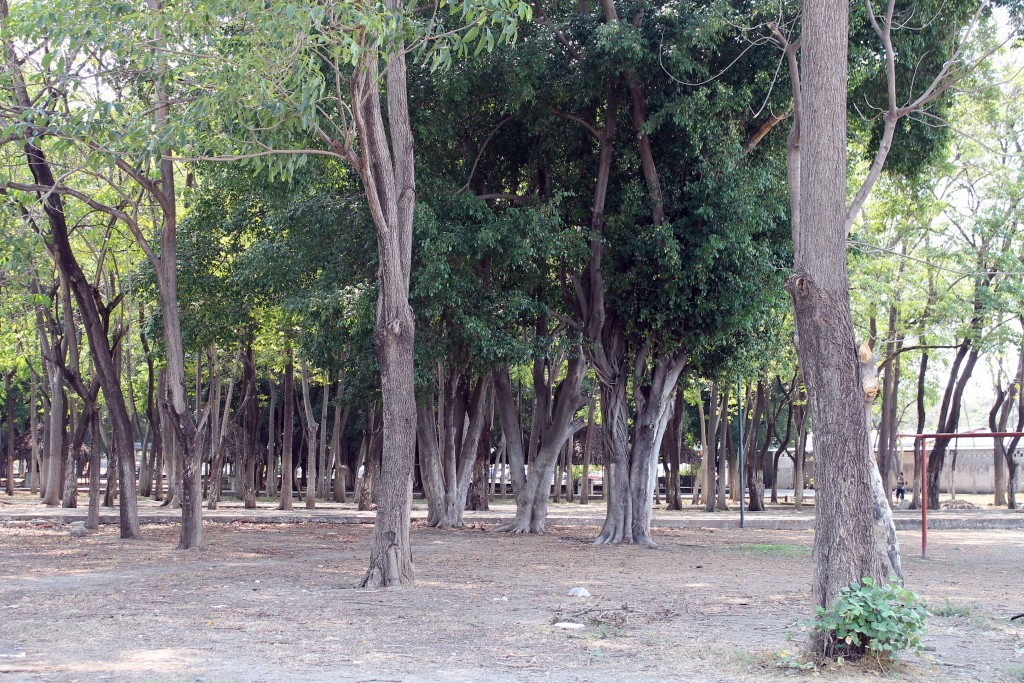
[[739, 401]]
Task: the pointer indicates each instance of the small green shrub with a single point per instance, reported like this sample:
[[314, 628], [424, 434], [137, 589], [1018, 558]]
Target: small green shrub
[[872, 619]]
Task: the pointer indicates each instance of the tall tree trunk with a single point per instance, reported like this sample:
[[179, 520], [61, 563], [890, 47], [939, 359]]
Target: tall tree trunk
[[710, 451], [34, 434], [755, 454], [339, 448], [387, 170], [724, 482], [10, 431], [56, 445], [251, 402], [854, 532], [588, 445], [287, 434], [272, 432], [323, 473], [311, 447], [93, 519]]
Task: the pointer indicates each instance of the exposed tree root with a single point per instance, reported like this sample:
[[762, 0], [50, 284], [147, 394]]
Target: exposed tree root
[[386, 573]]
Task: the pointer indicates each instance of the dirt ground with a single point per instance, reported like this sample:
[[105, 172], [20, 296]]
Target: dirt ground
[[276, 603]]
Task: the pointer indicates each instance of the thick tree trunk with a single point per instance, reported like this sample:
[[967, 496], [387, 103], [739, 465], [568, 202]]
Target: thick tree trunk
[[854, 532], [654, 393], [479, 490]]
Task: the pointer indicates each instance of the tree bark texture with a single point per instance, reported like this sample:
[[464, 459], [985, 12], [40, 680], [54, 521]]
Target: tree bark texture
[[854, 531]]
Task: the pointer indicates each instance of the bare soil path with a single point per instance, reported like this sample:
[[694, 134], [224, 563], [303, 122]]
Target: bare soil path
[[275, 603]]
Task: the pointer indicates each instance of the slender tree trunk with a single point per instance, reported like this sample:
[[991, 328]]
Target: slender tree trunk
[[93, 520], [251, 402], [323, 473], [854, 532], [10, 432], [311, 445], [272, 432], [339, 449], [34, 434], [511, 429], [56, 445], [287, 434], [588, 446], [387, 169], [710, 451], [364, 492], [724, 482]]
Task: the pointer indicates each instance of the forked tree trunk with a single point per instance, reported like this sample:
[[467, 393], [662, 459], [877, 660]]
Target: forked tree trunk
[[630, 502], [448, 472], [532, 495], [854, 531]]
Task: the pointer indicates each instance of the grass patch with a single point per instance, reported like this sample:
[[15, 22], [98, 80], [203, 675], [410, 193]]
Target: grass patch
[[776, 548], [1015, 672], [949, 609]]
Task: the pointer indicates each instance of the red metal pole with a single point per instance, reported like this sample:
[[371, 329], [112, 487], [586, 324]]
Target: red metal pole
[[924, 499]]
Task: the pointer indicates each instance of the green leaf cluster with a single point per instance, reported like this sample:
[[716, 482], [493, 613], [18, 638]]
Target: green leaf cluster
[[880, 620]]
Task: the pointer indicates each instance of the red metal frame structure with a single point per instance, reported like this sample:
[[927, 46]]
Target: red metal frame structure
[[924, 471]]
